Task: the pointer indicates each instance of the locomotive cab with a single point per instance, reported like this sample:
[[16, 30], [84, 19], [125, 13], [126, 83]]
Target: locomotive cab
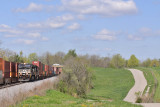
[[27, 72]]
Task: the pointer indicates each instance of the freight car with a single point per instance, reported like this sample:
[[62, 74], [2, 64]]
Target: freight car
[[8, 72], [40, 68], [57, 68], [28, 72], [44, 70]]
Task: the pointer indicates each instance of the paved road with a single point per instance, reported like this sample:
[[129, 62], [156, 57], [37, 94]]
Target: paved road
[[139, 86], [150, 104]]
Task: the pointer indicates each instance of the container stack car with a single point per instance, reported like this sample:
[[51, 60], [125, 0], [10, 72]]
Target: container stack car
[[57, 68], [8, 72]]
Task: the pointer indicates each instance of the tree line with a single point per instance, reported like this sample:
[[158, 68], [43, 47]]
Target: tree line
[[116, 61]]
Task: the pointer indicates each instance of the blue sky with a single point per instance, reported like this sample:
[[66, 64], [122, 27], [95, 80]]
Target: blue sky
[[102, 27]]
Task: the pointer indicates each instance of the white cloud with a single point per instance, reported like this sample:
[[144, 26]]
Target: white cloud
[[50, 23], [3, 26], [24, 41], [74, 26], [31, 25], [105, 35], [42, 25], [108, 8], [66, 17], [81, 17], [133, 37], [143, 33], [34, 34], [32, 7], [44, 39], [7, 29], [9, 32], [55, 24], [10, 35], [13, 31], [91, 49]]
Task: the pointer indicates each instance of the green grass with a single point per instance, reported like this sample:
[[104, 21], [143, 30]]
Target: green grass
[[110, 88], [157, 75], [111, 83]]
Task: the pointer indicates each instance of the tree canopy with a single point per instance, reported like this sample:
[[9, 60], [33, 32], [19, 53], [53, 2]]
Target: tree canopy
[[71, 53], [32, 57], [133, 61], [117, 61]]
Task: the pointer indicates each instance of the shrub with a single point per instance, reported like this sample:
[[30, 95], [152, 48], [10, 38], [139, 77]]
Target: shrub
[[75, 79]]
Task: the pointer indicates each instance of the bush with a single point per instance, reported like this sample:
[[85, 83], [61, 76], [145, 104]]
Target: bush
[[139, 100], [76, 79]]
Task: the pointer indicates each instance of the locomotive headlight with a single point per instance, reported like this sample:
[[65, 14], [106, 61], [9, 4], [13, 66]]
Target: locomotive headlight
[[28, 72]]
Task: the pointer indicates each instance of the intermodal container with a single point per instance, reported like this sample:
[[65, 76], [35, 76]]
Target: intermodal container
[[46, 70], [50, 71], [4, 71], [40, 69]]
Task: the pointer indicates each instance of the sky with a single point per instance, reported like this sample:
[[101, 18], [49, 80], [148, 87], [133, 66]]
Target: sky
[[100, 27]]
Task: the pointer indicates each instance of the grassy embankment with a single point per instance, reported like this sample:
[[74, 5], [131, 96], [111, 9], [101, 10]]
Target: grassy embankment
[[111, 86], [152, 74]]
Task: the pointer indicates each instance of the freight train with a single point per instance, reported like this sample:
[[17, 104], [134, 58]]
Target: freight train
[[11, 72]]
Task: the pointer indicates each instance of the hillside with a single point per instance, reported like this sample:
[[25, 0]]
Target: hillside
[[110, 87]]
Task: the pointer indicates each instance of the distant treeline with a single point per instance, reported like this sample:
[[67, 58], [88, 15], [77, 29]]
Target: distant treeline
[[116, 61]]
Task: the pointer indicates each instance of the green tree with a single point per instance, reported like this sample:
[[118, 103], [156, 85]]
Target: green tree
[[71, 53], [21, 60], [14, 58], [154, 63], [117, 61], [133, 61], [146, 63], [32, 57]]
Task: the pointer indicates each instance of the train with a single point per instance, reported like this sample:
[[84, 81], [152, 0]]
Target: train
[[12, 72]]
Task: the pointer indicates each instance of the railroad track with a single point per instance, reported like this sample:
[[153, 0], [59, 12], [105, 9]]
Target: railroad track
[[10, 85]]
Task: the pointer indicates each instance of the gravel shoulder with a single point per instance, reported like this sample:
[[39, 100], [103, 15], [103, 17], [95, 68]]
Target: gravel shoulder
[[10, 92]]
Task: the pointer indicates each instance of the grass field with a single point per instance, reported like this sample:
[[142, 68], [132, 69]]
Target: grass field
[[150, 74], [111, 83], [110, 87]]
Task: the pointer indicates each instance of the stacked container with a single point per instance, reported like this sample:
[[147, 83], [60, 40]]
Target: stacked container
[[57, 68], [8, 71], [13, 71], [50, 71], [40, 68], [46, 70]]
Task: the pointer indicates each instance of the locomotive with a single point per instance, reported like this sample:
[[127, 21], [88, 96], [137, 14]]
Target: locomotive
[[27, 72]]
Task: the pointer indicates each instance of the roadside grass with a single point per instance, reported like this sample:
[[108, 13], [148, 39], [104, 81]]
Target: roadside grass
[[110, 88], [149, 77], [152, 74], [156, 71], [55, 98]]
